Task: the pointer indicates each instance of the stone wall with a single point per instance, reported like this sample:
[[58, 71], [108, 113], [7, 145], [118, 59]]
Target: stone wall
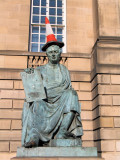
[[12, 94], [14, 24], [82, 28], [109, 15], [96, 80], [94, 69], [82, 25], [11, 102], [107, 111]]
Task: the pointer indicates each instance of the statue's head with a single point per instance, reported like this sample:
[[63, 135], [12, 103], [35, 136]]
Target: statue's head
[[53, 53], [52, 46]]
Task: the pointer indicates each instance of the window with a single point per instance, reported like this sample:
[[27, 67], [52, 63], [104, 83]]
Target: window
[[55, 11]]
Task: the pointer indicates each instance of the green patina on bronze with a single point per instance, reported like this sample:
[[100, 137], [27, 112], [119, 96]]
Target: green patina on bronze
[[58, 115]]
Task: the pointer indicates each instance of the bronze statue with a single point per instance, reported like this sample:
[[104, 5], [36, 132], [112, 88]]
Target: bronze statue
[[57, 116]]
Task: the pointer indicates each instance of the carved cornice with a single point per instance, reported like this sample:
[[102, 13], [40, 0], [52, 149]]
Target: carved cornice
[[25, 53]]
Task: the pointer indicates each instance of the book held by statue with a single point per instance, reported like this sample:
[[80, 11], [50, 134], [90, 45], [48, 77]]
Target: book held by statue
[[33, 86]]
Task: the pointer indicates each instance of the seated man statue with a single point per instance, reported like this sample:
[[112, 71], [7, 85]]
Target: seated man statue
[[58, 115]]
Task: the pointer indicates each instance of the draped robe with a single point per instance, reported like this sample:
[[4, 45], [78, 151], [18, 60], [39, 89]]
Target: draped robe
[[42, 119]]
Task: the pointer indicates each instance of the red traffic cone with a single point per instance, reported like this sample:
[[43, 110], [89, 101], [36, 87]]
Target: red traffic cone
[[50, 37], [49, 32]]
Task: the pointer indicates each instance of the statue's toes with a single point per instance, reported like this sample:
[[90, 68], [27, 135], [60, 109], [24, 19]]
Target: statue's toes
[[29, 144], [70, 135], [65, 135]]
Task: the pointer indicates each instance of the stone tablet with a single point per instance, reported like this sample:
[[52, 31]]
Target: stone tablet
[[33, 86]]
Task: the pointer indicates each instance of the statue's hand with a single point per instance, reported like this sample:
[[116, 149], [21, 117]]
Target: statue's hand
[[29, 70]]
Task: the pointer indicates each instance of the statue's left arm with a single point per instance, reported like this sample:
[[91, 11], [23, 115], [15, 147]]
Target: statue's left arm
[[69, 79]]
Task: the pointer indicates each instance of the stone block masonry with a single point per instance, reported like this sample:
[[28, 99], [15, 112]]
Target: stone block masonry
[[11, 104], [12, 99], [99, 97], [14, 25], [106, 111], [95, 71]]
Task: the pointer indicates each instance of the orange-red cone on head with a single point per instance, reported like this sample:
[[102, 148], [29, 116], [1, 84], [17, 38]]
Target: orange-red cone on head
[[50, 37], [49, 32]]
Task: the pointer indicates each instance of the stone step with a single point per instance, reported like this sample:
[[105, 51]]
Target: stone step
[[68, 158], [57, 152]]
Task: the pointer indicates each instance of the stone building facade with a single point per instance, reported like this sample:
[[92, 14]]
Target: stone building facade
[[93, 59]]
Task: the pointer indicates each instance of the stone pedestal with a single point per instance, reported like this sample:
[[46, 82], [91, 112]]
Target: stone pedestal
[[57, 152], [85, 158]]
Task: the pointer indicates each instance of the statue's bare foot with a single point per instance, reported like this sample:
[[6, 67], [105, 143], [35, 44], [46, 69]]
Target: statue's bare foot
[[70, 135], [65, 135], [29, 144]]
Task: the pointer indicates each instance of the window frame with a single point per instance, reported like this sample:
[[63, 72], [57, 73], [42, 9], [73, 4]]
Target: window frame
[[63, 26]]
